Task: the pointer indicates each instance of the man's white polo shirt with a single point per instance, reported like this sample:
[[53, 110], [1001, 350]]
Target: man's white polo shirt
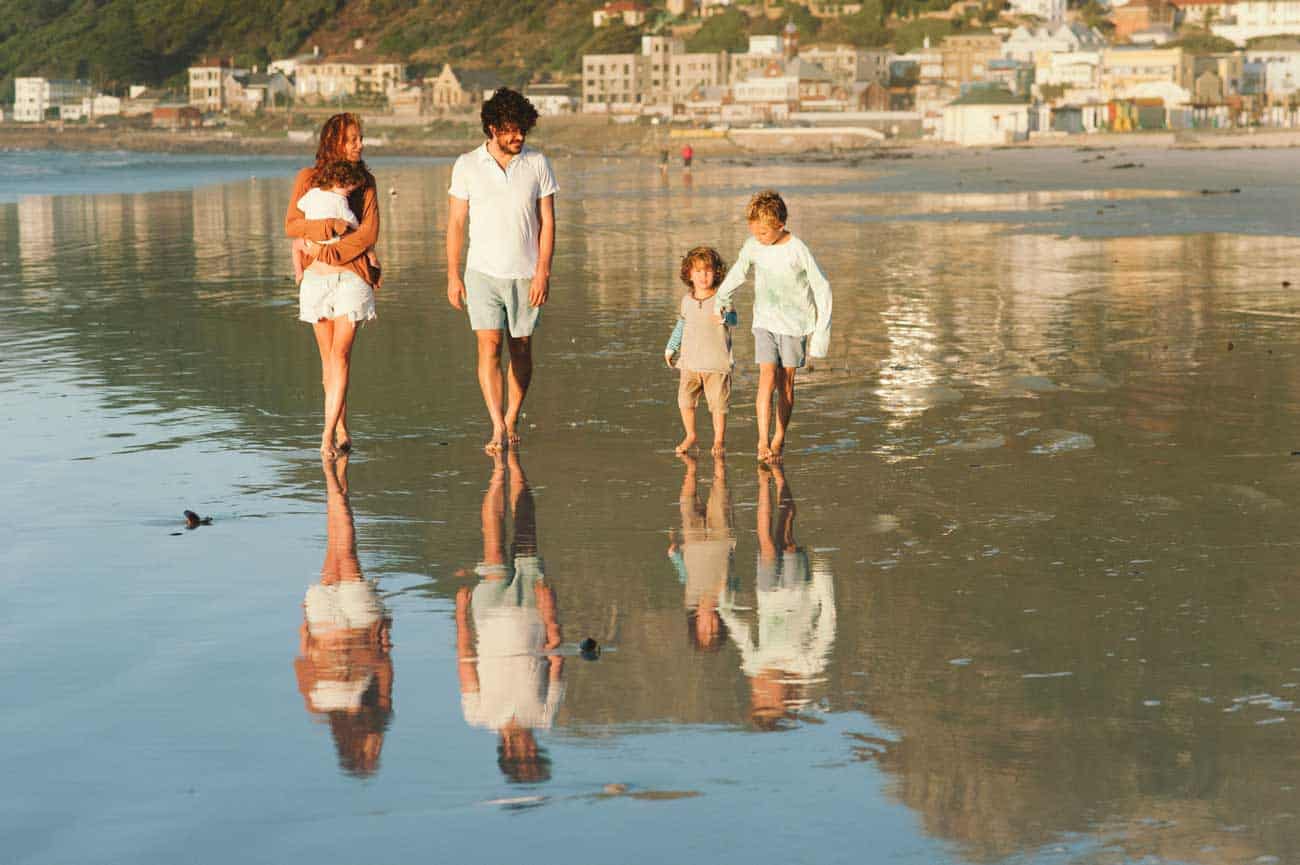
[[504, 224]]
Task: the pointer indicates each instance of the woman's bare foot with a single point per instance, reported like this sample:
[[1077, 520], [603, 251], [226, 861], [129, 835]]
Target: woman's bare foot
[[685, 445], [497, 444], [512, 434], [718, 449]]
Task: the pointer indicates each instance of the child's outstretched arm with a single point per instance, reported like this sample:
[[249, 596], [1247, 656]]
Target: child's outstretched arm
[[821, 289], [675, 341], [735, 276]]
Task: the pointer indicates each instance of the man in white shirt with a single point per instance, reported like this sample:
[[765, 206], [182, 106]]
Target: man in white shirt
[[506, 193]]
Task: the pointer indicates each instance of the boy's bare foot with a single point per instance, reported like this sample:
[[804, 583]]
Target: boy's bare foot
[[778, 448], [718, 449], [685, 445]]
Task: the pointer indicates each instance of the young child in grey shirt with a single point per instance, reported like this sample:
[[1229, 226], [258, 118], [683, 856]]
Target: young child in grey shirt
[[704, 344]]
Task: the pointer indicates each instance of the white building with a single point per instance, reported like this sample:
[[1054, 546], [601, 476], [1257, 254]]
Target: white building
[[985, 117], [1051, 11], [551, 100], [321, 79], [207, 84], [1249, 19], [662, 76], [1029, 44], [1281, 72], [1076, 71], [103, 105], [33, 97]]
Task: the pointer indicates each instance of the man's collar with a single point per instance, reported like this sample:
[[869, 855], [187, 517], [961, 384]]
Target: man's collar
[[484, 153]]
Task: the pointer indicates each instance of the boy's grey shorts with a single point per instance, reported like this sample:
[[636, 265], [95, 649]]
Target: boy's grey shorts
[[787, 351], [498, 303]]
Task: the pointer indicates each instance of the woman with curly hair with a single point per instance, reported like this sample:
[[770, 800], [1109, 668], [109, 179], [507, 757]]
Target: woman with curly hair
[[338, 288], [505, 191]]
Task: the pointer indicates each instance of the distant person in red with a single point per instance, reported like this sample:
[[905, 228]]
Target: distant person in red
[[687, 154]]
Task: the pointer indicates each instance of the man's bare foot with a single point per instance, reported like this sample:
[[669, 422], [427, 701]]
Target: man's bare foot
[[718, 449], [685, 445]]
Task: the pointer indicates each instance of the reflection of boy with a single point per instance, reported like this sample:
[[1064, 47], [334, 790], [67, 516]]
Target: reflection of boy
[[789, 647], [504, 627], [703, 555], [344, 670]]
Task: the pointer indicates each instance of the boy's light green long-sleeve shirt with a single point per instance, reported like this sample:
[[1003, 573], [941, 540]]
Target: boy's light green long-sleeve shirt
[[792, 296]]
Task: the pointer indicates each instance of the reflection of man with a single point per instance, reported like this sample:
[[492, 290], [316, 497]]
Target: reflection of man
[[790, 646], [506, 193], [505, 626], [344, 672], [701, 553]]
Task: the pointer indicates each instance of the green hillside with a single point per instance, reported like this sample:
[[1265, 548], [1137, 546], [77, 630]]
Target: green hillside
[[113, 43]]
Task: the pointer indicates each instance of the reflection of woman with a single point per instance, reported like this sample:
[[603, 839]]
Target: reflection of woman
[[504, 627], [337, 291], [344, 672]]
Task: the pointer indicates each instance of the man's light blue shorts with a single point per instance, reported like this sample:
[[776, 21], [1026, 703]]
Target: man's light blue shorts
[[498, 303]]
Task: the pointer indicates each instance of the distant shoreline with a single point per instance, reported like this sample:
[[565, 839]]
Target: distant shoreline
[[574, 137]]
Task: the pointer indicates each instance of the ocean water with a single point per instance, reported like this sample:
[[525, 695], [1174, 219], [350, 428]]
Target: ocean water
[[1024, 590]]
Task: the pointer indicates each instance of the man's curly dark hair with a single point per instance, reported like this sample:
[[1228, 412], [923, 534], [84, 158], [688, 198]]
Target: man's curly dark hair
[[508, 108]]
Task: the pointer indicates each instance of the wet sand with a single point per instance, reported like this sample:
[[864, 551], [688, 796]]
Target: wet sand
[[1043, 482]]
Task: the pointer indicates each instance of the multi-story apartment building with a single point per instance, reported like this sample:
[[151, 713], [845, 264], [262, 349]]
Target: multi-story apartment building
[[848, 64], [763, 52], [662, 75], [208, 90], [1051, 11], [1030, 43], [966, 57], [320, 79], [1124, 69], [1280, 72], [33, 97], [1249, 19]]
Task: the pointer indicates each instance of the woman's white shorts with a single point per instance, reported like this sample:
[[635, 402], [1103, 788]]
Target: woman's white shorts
[[331, 295]]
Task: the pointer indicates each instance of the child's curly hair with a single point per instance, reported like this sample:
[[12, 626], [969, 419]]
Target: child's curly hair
[[341, 173], [707, 256], [767, 206]]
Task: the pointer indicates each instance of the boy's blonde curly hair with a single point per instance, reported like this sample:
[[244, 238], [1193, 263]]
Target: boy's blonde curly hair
[[767, 206], [707, 256]]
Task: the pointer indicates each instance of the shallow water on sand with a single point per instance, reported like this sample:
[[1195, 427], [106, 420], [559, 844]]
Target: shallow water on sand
[[1023, 592]]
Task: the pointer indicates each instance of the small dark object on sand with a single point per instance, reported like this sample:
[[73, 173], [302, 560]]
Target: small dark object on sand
[[590, 649], [1286, 283], [1295, 453], [1127, 165], [1232, 191], [1230, 345], [193, 520]]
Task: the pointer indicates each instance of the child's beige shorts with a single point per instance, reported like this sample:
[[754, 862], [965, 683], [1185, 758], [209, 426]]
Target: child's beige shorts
[[716, 387]]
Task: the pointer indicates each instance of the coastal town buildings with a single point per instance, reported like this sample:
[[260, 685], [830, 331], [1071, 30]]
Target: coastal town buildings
[[1031, 43], [1249, 19], [662, 75], [36, 98], [1050, 11], [986, 116], [552, 100], [357, 74], [630, 13], [1279, 71], [458, 89], [207, 83]]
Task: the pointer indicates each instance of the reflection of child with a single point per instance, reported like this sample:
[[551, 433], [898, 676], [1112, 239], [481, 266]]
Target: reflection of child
[[329, 200], [792, 301], [789, 646], [702, 555], [705, 346]]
